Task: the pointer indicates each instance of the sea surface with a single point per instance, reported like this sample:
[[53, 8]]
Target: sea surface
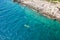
[[19, 22]]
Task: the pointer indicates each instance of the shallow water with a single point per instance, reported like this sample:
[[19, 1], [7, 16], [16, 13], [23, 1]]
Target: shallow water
[[22, 23]]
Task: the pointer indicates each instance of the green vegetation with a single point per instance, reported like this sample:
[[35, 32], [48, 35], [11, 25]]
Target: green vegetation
[[53, 0]]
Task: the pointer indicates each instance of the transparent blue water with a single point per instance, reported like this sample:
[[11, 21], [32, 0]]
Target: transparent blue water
[[15, 17]]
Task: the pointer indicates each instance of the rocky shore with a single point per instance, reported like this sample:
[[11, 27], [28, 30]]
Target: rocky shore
[[48, 9]]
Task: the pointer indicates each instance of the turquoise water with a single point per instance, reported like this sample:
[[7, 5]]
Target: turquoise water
[[22, 23], [46, 29]]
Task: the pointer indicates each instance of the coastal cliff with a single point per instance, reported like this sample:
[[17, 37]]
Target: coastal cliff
[[48, 9]]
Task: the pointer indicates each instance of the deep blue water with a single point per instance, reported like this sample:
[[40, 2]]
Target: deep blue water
[[22, 23]]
